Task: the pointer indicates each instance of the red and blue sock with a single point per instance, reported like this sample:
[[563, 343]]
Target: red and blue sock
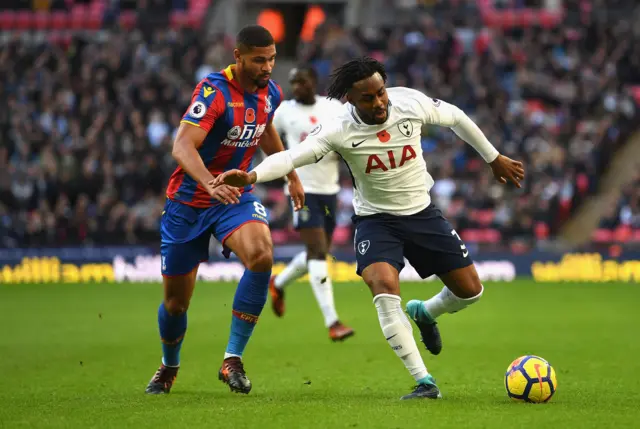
[[249, 300], [172, 330]]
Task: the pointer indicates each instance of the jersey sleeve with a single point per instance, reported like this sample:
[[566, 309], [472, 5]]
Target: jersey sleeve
[[435, 112], [317, 144], [207, 105], [278, 119], [279, 95], [321, 140], [438, 112]]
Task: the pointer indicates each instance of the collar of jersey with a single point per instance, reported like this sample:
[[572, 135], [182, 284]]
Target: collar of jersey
[[228, 73], [354, 114]]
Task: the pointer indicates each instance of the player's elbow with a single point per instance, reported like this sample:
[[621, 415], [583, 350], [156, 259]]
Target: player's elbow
[[178, 150]]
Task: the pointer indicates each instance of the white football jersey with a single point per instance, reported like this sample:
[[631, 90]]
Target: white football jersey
[[295, 121], [386, 163]]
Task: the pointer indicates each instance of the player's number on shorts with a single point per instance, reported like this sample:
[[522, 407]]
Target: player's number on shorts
[[465, 252], [259, 208]]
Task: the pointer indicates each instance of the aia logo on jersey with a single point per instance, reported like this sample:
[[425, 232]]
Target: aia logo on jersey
[[406, 128], [269, 107], [250, 115], [376, 162], [383, 136]]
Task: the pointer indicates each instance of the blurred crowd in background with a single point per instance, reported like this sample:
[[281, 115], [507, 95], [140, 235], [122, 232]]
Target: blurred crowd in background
[[86, 127]]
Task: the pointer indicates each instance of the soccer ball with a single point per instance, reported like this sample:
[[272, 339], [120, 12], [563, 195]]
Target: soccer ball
[[530, 379]]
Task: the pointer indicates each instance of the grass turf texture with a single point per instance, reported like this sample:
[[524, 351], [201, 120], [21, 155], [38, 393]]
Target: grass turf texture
[[80, 356]]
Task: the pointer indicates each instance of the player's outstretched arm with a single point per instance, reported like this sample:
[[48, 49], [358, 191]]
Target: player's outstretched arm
[[271, 143], [438, 112], [276, 166], [185, 152]]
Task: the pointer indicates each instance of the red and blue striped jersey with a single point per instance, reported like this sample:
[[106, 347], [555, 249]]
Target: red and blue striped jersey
[[234, 120]]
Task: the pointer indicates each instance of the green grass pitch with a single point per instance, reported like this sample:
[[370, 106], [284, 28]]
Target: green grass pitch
[[79, 356]]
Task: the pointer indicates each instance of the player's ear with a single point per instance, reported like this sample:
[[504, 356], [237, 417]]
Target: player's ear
[[236, 54]]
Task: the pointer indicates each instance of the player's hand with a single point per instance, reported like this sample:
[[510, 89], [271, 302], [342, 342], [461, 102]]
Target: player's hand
[[297, 193], [237, 178], [506, 169], [224, 193]]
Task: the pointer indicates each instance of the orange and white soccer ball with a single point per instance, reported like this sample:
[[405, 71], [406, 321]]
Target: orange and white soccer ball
[[530, 379]]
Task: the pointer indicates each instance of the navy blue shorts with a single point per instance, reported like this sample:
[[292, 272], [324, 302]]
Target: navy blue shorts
[[426, 239], [186, 230], [319, 212]]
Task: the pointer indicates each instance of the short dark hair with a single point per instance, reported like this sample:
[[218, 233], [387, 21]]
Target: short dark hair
[[343, 78], [309, 69], [254, 36]]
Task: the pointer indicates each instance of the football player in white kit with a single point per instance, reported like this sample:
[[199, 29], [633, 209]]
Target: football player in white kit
[[379, 138], [294, 120]]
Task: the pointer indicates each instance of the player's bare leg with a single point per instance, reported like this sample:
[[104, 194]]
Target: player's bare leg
[[252, 244], [172, 319], [384, 281], [462, 288]]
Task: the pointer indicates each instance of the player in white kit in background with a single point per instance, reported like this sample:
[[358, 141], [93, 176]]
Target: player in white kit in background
[[379, 138], [293, 120]]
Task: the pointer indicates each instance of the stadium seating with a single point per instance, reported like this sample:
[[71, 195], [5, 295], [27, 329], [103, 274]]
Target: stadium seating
[[103, 199], [82, 16]]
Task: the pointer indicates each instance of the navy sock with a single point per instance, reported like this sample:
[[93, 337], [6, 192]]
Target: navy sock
[[172, 330], [251, 295]]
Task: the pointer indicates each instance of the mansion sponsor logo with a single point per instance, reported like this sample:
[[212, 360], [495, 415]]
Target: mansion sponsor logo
[[246, 136]]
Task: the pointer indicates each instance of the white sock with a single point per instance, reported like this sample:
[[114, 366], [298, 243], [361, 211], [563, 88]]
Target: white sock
[[323, 289], [296, 269], [446, 302], [229, 355], [399, 333]]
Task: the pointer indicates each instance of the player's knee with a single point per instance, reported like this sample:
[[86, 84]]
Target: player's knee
[[383, 283], [260, 259], [175, 305]]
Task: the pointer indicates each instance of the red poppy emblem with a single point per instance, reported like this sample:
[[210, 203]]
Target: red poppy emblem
[[250, 115], [313, 119], [384, 136]]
